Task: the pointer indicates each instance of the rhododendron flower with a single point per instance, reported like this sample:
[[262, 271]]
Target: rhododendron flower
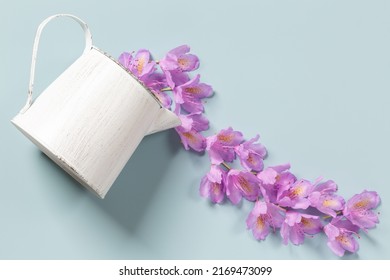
[[358, 209], [156, 82], [212, 185], [296, 225], [197, 122], [272, 179], [241, 184], [324, 199], [251, 154], [180, 60], [176, 78], [296, 195], [340, 236], [263, 217], [125, 59], [164, 98], [191, 138], [140, 65], [275, 191], [221, 146], [189, 95]]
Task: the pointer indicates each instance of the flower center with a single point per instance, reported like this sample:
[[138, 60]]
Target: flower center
[[215, 187], [250, 159], [260, 224], [305, 221], [140, 65], [361, 204], [244, 184], [189, 136], [193, 90], [297, 191], [342, 238], [225, 138], [183, 62]]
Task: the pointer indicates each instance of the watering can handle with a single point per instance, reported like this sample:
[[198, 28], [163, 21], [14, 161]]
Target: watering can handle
[[88, 46]]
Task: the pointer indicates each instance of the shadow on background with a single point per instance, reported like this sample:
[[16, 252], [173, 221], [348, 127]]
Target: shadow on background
[[129, 197], [134, 189]]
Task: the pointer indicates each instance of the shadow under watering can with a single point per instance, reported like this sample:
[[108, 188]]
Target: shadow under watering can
[[92, 117]]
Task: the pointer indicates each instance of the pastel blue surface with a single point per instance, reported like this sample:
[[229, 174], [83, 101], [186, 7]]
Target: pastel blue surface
[[312, 77]]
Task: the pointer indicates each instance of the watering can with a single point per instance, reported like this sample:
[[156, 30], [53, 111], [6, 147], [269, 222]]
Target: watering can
[[92, 117]]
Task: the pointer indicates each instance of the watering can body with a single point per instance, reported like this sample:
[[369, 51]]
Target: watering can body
[[92, 117]]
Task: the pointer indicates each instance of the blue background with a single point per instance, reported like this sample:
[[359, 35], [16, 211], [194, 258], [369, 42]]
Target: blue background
[[312, 77]]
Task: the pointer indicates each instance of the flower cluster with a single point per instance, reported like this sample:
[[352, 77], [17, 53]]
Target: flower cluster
[[298, 208], [282, 201], [187, 93]]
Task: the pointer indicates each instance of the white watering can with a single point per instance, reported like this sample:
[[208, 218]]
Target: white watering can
[[92, 117]]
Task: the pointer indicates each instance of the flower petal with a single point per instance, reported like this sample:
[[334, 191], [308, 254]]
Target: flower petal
[[285, 233], [260, 229], [292, 218], [176, 78], [233, 193], [217, 152], [215, 174], [140, 61], [214, 191], [164, 98], [326, 187], [188, 62], [125, 59], [217, 192], [331, 231], [186, 122], [246, 182], [336, 248], [204, 188], [276, 215], [311, 224], [267, 176], [297, 236], [363, 201], [229, 137], [180, 50], [358, 209], [199, 122], [192, 139], [348, 243]]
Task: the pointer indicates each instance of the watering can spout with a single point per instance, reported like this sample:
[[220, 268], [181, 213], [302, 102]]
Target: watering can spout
[[165, 119]]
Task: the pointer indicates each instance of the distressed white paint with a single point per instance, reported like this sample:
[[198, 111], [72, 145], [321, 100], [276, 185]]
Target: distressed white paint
[[92, 117]]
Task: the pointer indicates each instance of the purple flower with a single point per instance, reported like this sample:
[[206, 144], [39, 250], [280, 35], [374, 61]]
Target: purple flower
[[272, 179], [296, 195], [212, 185], [221, 146], [125, 59], [358, 209], [189, 95], [251, 154], [178, 59], [241, 184], [296, 225], [197, 122], [340, 236], [324, 199], [176, 78], [156, 82], [164, 98], [191, 138], [140, 65], [263, 217]]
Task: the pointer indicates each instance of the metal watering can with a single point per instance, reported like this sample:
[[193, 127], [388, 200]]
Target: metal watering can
[[92, 117]]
